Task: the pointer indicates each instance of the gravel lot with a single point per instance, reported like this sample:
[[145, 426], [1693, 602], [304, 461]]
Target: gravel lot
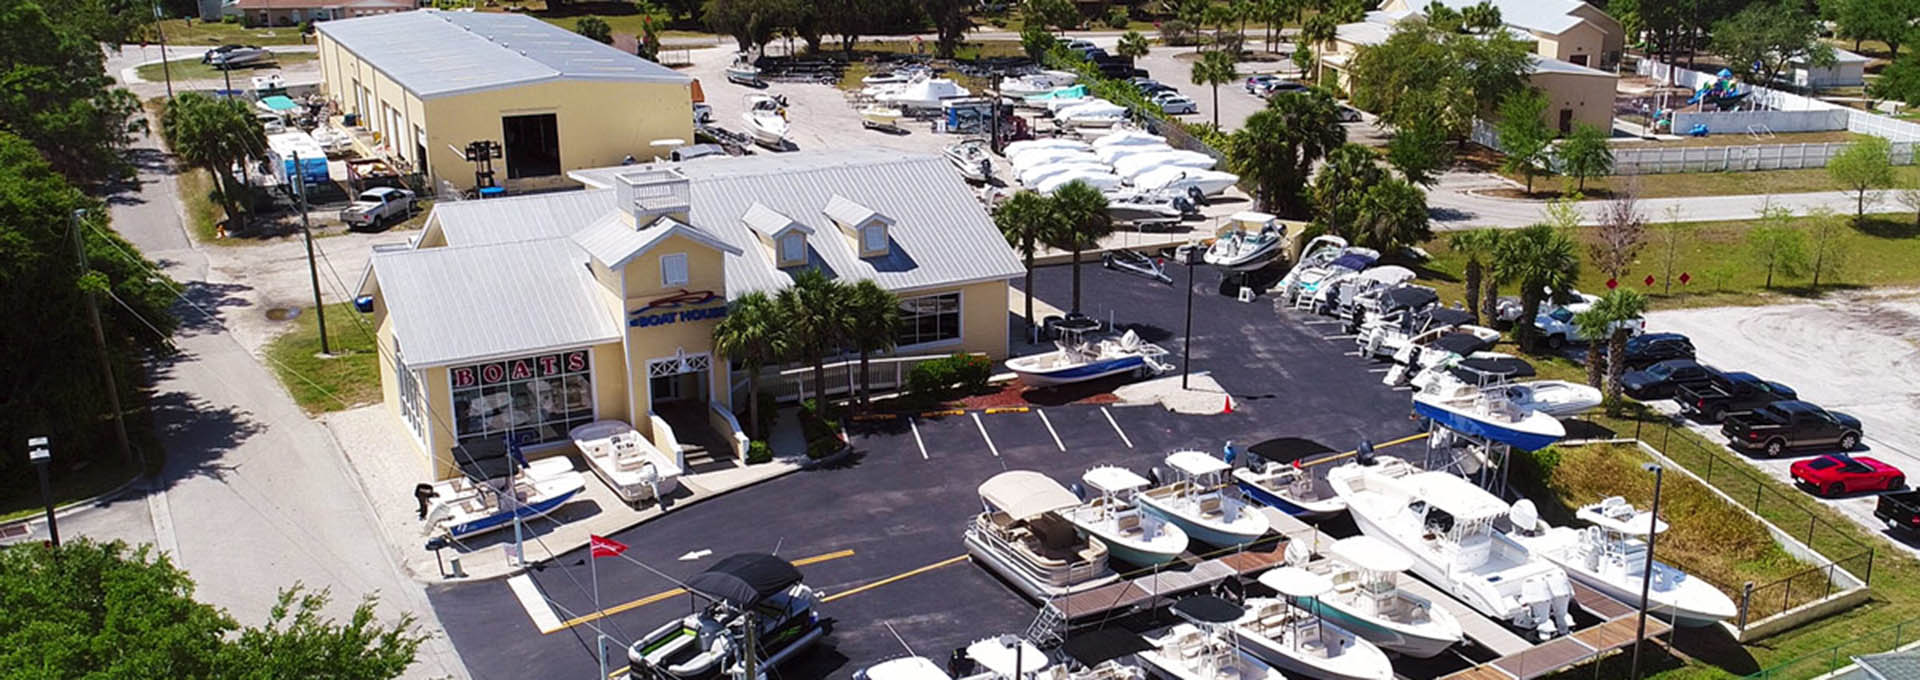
[[1855, 354]]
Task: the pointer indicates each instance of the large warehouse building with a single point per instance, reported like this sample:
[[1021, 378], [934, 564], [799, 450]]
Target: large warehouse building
[[526, 316], [429, 83]]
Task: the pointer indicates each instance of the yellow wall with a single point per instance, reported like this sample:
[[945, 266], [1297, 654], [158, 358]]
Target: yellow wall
[[705, 272], [600, 123], [439, 391], [610, 382], [1590, 97], [1582, 39]]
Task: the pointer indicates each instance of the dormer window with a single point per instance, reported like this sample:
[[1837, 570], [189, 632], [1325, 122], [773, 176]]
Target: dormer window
[[793, 250], [873, 239], [865, 228]]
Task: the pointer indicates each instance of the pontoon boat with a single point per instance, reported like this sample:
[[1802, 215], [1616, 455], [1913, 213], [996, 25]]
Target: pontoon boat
[[745, 590], [1022, 536]]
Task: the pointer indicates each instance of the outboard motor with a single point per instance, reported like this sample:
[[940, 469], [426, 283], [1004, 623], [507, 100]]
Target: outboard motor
[[1197, 196], [1184, 206], [1363, 454], [1079, 492]]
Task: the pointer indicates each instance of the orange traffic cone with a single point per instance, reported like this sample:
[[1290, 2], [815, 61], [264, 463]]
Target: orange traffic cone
[[1228, 408]]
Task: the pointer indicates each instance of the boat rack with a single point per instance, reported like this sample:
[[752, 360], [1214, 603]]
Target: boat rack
[[1615, 632]]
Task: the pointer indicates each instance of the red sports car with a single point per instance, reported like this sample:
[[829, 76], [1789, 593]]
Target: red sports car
[[1838, 474]]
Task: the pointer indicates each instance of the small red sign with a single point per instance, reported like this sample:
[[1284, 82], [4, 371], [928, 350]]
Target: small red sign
[[1649, 281], [1685, 277], [1613, 283]]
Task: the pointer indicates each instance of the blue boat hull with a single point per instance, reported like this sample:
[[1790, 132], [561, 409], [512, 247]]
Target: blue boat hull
[[1082, 373], [1462, 423], [500, 519], [1256, 493]]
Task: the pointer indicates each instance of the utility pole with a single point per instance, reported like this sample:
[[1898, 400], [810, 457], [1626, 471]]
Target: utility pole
[[165, 68], [313, 272], [38, 453], [1646, 575], [100, 344]]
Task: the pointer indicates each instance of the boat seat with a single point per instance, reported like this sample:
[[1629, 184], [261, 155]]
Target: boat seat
[[1210, 505], [628, 463], [1128, 523], [473, 505]]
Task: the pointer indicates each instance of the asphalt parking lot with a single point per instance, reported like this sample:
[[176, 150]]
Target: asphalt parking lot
[[879, 535]]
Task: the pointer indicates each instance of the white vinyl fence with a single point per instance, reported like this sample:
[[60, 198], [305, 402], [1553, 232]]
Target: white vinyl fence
[[1633, 160], [1864, 122]]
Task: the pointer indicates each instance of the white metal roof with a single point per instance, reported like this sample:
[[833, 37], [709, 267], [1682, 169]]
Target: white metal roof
[[463, 304], [769, 222], [846, 212], [435, 53], [614, 241]]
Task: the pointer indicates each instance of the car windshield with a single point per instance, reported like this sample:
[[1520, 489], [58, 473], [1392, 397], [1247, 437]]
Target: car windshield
[[1561, 314], [1660, 370], [1822, 463]]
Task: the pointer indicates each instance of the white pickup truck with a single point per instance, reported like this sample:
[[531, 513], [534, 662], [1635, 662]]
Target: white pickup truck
[[1555, 321], [378, 206]]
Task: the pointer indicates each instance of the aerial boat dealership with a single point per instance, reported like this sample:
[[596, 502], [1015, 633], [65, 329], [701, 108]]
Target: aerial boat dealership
[[806, 364]]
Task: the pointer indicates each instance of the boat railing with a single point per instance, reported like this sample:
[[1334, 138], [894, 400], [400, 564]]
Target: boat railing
[[1002, 538]]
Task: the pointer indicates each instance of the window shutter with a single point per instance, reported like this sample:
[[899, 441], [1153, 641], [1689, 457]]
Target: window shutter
[[673, 269]]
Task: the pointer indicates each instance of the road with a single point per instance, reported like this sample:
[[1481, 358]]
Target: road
[[1456, 203], [254, 496]]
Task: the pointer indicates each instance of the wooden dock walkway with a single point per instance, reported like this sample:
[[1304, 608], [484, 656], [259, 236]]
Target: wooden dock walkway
[[1615, 632], [1167, 582]]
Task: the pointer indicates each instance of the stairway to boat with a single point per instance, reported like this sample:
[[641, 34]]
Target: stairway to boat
[[705, 449]]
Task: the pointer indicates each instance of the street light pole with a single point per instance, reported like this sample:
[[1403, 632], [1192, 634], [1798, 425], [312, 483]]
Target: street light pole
[[165, 68], [1646, 573], [38, 453], [1186, 340]]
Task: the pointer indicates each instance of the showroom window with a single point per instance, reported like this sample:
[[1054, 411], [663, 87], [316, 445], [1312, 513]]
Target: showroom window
[[413, 404], [929, 319], [536, 399]]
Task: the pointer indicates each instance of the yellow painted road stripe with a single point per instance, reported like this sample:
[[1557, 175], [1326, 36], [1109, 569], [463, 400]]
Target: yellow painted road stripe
[[656, 597], [1342, 456], [891, 579]]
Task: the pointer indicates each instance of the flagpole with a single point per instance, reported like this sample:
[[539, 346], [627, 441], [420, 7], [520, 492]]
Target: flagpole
[[593, 566]]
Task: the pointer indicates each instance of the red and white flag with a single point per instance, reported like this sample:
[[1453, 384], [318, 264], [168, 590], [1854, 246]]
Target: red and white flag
[[606, 547]]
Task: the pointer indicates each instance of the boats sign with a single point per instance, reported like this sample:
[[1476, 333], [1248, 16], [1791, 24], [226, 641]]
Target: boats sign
[[672, 309]]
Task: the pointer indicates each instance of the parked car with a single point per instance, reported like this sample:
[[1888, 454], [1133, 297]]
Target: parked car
[[1281, 87], [1347, 114], [1080, 45], [1150, 87], [1257, 84], [1900, 510], [230, 56], [1837, 474], [1728, 394], [1649, 348], [1557, 327], [1115, 69], [1791, 424], [1664, 378], [1175, 103], [377, 206]]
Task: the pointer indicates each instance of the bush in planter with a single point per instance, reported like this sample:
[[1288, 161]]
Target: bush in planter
[[758, 452], [823, 447], [931, 379], [972, 372]]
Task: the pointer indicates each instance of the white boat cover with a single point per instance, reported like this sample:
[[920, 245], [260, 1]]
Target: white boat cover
[[906, 668], [1055, 106], [1367, 553], [1176, 177], [1035, 174], [1098, 109], [1033, 158], [1024, 494], [1098, 180], [1133, 166], [1118, 151], [1128, 138], [1025, 145], [1197, 463], [998, 657], [1111, 479], [925, 93]]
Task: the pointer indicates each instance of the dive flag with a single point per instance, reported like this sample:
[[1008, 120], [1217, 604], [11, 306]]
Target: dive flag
[[605, 547]]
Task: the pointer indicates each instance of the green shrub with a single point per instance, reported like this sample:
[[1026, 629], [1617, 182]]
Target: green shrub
[[824, 446], [972, 372], [937, 379], [230, 19], [1177, 33], [758, 452], [1117, 19]]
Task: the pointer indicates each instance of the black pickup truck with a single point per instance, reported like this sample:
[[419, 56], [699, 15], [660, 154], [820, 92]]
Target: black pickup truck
[[1791, 424], [1728, 394], [1900, 510]]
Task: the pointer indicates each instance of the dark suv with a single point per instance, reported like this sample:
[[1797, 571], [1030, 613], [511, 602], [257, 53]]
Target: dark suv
[[1649, 348]]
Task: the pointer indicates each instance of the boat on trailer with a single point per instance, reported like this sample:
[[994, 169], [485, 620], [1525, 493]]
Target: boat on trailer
[[1488, 413], [1248, 242], [462, 507], [753, 600], [1077, 360], [626, 461]]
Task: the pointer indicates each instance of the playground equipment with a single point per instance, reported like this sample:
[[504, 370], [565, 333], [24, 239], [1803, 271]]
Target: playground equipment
[[1723, 92]]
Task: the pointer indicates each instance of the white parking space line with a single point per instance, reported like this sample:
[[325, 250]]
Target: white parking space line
[[916, 439], [1049, 424], [1379, 370], [1320, 321], [1343, 336], [1116, 427], [1354, 353], [535, 603], [983, 434]]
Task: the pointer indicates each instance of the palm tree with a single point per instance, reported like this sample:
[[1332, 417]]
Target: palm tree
[[1215, 68], [875, 323], [1594, 323], [1083, 221], [1539, 259], [1318, 30], [1279, 144], [751, 335], [1218, 16], [813, 315], [1132, 45], [1027, 220], [1620, 305], [1478, 247], [215, 134]]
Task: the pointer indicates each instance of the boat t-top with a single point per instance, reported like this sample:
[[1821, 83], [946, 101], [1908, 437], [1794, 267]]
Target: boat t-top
[[747, 590], [1203, 502], [1611, 556], [462, 507], [1075, 359], [1023, 536], [1204, 646], [1289, 632], [1249, 241], [1132, 536], [1489, 414], [1366, 599], [1100, 654], [1447, 526], [1276, 477]]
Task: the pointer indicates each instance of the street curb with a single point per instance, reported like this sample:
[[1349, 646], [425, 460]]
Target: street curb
[[74, 507], [676, 508]]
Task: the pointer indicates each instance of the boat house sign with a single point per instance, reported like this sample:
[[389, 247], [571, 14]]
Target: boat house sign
[[673, 309]]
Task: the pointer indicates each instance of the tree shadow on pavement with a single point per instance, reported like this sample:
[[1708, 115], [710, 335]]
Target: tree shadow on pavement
[[204, 309], [198, 435]]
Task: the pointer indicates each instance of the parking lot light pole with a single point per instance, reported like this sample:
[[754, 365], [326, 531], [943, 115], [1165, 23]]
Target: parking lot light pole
[[1191, 257], [38, 453], [1646, 573]]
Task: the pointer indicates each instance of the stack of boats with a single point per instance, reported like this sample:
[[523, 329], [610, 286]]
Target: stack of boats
[[912, 88], [1145, 179]]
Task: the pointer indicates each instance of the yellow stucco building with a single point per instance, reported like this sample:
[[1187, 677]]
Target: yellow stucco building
[[429, 83], [524, 317]]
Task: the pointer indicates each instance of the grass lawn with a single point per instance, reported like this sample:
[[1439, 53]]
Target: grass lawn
[[203, 212], [1883, 252], [190, 68], [348, 378], [1684, 184], [183, 32], [622, 17]]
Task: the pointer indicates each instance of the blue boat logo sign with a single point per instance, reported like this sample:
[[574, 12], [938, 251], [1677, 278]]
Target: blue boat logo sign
[[672, 309]]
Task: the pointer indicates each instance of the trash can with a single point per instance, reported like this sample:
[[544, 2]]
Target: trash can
[[350, 120]]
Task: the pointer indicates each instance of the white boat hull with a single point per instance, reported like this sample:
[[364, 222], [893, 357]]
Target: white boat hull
[[1361, 660], [1218, 534], [1420, 642]]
